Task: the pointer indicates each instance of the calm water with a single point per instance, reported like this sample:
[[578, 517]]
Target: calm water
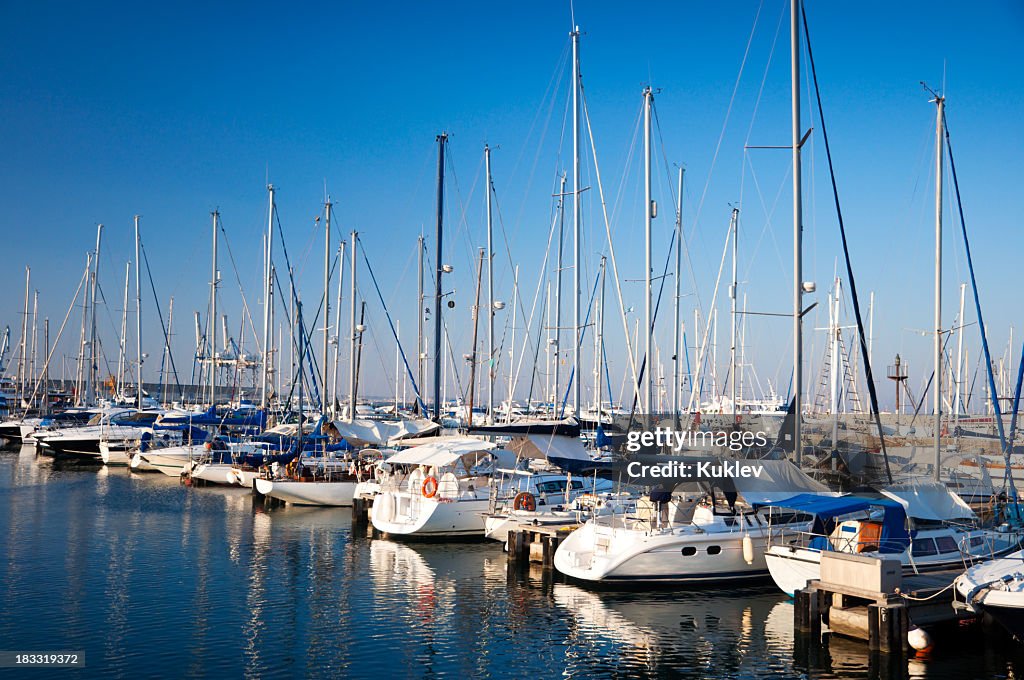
[[151, 578]]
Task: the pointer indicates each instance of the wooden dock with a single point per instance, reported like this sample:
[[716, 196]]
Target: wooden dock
[[530, 543], [881, 616]]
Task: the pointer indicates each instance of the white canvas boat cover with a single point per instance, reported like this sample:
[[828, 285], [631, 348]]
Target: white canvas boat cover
[[381, 432], [440, 453], [930, 500], [779, 480], [541, 446]]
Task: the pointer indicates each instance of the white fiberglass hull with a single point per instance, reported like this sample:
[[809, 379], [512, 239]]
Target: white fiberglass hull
[[115, 453], [245, 477], [403, 513], [600, 553], [308, 493], [793, 567], [214, 473], [172, 461]]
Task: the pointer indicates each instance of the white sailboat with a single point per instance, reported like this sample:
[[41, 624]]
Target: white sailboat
[[942, 533], [440, 489], [693, 538]]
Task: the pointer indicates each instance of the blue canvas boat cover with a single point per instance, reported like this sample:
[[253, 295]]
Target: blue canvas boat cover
[[894, 536]]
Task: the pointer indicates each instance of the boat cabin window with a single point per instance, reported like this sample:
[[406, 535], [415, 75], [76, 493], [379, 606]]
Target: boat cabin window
[[714, 549], [923, 547], [96, 419], [976, 541], [689, 550], [946, 544]]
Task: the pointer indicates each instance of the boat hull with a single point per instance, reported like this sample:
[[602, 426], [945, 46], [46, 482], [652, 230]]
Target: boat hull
[[683, 558], [308, 493], [406, 514]]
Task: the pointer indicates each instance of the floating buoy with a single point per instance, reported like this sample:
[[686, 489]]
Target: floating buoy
[[748, 549], [919, 639]]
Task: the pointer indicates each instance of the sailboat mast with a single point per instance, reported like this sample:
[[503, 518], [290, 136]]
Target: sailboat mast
[[80, 374], [600, 336], [213, 316], [732, 302], [577, 260], [438, 321], [93, 365], [676, 320], [557, 394], [648, 283], [324, 401], [491, 363], [940, 106], [268, 300], [119, 384], [419, 324], [138, 317], [23, 353], [352, 335], [46, 366], [797, 232], [337, 326]]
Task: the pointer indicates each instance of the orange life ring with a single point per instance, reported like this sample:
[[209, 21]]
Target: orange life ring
[[429, 487], [525, 500]]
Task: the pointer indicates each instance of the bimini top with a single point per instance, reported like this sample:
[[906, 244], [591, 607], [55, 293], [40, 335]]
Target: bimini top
[[894, 537], [441, 453]]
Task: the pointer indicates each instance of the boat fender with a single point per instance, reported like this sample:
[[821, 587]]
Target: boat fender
[[429, 488], [920, 640], [525, 500], [748, 549]]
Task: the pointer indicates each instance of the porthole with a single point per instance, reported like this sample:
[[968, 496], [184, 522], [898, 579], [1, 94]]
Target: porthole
[[689, 550], [714, 549]]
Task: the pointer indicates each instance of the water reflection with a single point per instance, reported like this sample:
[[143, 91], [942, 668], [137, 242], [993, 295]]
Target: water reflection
[[144, 573]]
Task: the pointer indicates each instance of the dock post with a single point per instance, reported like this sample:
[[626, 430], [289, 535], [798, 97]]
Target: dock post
[[519, 548], [550, 543]]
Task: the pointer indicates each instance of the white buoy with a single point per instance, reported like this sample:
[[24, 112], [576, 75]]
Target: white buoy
[[748, 549], [919, 639]]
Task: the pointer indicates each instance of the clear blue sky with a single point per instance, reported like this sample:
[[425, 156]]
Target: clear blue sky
[[170, 111]]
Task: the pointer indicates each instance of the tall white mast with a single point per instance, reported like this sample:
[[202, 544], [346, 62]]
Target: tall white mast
[[558, 296], [797, 232], [213, 316], [600, 336], [648, 387], [732, 301], [420, 349], [337, 327], [490, 292], [91, 384], [119, 385], [35, 337], [23, 353], [577, 259], [676, 324], [352, 335], [940, 106], [268, 301], [138, 317], [80, 374], [327, 304]]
